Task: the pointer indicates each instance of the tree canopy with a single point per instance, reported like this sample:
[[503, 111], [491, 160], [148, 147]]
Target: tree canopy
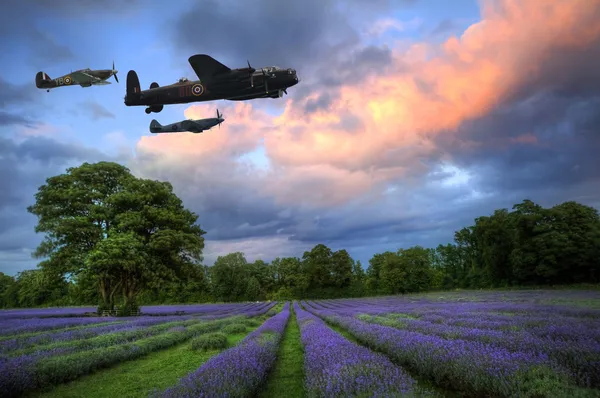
[[113, 236], [123, 233]]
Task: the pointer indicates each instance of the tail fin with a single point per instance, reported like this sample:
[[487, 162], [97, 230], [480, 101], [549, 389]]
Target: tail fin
[[155, 126], [42, 80], [133, 83]]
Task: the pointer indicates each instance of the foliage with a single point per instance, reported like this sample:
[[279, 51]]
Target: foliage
[[124, 233], [118, 239], [211, 341], [234, 328]]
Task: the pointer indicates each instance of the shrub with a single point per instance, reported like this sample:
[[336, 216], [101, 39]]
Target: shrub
[[211, 341], [234, 328], [252, 322]]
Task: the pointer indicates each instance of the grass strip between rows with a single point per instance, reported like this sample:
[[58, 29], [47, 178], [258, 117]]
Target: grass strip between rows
[[138, 378], [287, 377], [60, 369]]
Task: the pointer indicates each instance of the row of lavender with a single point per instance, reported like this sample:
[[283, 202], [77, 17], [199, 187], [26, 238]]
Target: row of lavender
[[337, 367], [334, 366], [503, 351], [23, 321], [115, 332], [26, 365], [238, 371]]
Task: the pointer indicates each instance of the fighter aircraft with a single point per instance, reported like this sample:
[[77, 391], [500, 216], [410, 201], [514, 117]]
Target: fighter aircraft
[[216, 81], [193, 126], [83, 77]]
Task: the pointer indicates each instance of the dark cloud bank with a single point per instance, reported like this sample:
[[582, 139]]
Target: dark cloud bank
[[541, 144]]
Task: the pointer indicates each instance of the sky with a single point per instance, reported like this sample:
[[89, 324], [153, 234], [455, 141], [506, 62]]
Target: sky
[[412, 117]]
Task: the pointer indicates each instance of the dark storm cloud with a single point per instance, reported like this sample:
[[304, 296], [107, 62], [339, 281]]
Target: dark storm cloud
[[15, 96], [316, 37], [20, 24], [18, 27], [24, 166], [96, 110], [352, 68], [323, 101], [11, 94], [265, 31], [7, 119], [229, 205], [444, 26]]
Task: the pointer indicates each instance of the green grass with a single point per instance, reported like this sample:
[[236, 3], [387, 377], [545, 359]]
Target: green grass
[[287, 378], [138, 378]]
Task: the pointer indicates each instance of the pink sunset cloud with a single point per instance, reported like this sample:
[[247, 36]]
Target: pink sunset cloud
[[322, 159]]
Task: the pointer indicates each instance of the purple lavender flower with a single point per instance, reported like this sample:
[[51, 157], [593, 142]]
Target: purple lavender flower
[[336, 367], [64, 363], [238, 371], [472, 367]]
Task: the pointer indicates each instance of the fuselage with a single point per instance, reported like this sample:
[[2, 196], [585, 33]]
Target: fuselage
[[79, 77], [232, 86], [99, 73], [193, 126]]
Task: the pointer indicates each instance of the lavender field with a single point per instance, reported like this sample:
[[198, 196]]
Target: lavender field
[[455, 344]]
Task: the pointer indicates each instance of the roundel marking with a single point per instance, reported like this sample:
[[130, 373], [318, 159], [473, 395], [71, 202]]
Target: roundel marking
[[67, 80], [197, 89]]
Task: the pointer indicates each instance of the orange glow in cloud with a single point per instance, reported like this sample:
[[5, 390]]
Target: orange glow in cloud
[[396, 114]]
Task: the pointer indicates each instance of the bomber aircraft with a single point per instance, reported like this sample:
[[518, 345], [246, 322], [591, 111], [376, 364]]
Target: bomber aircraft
[[216, 82], [83, 77], [193, 126]]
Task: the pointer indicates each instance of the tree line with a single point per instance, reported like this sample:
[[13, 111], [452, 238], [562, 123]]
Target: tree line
[[114, 239]]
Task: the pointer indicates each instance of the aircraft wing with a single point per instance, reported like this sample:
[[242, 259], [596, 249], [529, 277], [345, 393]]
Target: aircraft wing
[[206, 67], [82, 78], [189, 125]]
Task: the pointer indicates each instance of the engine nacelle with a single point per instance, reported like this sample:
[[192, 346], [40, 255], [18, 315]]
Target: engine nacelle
[[154, 108], [276, 94]]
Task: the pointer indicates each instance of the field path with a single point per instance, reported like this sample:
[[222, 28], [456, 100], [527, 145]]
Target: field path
[[138, 378], [287, 378]]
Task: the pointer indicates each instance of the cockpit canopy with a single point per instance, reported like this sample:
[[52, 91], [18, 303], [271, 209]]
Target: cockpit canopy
[[183, 80]]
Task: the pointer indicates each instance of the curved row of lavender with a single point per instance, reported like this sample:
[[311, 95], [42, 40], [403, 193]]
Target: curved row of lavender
[[31, 325], [581, 355], [570, 337], [57, 312], [64, 363], [472, 367], [238, 371], [336, 367], [115, 333]]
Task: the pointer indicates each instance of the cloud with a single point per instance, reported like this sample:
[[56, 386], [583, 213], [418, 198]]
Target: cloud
[[385, 25], [380, 145], [24, 27], [431, 137], [96, 110], [443, 27], [7, 119], [25, 163]]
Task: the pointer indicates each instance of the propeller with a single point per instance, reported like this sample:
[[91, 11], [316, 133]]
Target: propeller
[[251, 71], [219, 118], [265, 79], [114, 72]]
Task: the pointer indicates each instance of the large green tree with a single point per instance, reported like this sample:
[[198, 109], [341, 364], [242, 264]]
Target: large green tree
[[126, 233]]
